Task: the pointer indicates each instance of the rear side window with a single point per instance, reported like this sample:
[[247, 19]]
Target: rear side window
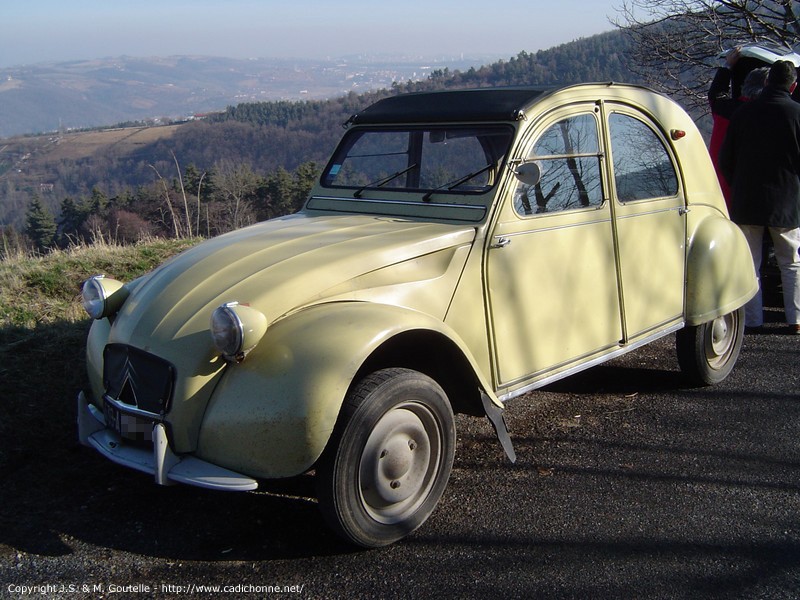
[[642, 166]]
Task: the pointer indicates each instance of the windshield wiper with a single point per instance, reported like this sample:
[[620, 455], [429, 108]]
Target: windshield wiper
[[456, 182], [383, 181]]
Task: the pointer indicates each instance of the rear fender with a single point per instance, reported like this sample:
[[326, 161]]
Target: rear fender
[[719, 274]]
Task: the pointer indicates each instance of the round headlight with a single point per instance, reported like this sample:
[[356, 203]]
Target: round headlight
[[226, 330], [102, 296], [236, 329]]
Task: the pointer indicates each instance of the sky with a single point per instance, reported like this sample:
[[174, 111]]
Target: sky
[[33, 31]]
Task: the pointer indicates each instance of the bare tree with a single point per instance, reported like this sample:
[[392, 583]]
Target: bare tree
[[182, 226], [183, 193], [168, 200], [199, 186], [677, 43], [236, 186]]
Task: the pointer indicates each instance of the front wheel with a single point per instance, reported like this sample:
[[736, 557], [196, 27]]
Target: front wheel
[[389, 459], [707, 352]]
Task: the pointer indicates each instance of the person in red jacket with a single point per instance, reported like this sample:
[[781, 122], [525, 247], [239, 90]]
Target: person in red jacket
[[724, 103], [760, 157]]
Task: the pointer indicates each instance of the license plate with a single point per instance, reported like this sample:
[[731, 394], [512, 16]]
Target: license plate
[[127, 426]]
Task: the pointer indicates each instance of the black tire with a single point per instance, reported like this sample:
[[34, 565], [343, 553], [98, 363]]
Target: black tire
[[708, 352], [389, 459]]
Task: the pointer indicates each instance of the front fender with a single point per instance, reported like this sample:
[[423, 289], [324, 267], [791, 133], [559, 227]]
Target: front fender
[[272, 415], [719, 274]]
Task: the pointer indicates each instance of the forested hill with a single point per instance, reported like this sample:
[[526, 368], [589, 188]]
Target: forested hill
[[598, 58]]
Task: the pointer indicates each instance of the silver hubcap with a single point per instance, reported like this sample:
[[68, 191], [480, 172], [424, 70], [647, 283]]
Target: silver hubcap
[[400, 462], [720, 339]]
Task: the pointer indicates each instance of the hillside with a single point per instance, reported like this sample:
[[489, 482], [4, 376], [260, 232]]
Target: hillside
[[31, 155], [59, 165]]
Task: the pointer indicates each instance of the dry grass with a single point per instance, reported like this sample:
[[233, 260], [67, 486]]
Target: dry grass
[[75, 146], [41, 290]]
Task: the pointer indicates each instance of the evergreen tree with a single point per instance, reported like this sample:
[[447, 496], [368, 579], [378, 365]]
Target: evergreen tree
[[305, 176], [41, 226], [98, 202], [70, 223], [275, 195]]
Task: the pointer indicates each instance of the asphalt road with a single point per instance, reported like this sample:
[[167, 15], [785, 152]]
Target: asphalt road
[[628, 485]]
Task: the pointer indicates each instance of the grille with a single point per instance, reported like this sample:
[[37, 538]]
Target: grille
[[137, 378]]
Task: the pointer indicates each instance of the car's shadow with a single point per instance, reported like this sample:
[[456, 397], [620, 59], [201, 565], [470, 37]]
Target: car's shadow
[[614, 379], [98, 503], [649, 369]]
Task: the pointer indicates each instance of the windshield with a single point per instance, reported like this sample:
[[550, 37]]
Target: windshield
[[432, 161]]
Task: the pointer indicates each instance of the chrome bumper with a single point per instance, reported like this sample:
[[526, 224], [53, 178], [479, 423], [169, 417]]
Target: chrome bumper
[[162, 463]]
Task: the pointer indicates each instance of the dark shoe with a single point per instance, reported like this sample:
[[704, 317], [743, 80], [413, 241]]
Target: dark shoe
[[794, 329]]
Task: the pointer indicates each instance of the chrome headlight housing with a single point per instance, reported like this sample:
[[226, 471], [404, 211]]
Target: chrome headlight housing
[[236, 329], [102, 296]]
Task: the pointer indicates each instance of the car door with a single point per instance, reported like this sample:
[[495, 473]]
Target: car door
[[551, 273], [650, 221]]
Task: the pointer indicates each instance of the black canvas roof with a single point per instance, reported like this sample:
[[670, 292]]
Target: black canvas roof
[[479, 104]]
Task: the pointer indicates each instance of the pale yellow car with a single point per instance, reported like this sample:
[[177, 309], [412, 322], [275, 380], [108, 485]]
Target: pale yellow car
[[460, 249]]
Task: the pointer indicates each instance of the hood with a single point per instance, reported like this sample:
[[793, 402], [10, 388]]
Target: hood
[[277, 266]]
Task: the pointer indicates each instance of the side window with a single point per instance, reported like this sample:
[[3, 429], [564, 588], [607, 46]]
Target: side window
[[642, 166], [568, 155]]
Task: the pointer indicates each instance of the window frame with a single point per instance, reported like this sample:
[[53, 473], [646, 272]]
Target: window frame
[[536, 134]]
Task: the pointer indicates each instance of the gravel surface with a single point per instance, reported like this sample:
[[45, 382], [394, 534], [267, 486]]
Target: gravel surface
[[627, 485]]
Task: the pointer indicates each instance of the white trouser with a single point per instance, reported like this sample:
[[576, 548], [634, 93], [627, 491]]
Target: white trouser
[[787, 248]]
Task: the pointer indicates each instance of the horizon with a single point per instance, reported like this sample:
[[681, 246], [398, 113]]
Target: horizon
[[48, 31], [378, 57]]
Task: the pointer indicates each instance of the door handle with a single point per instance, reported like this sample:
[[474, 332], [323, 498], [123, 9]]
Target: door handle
[[501, 242]]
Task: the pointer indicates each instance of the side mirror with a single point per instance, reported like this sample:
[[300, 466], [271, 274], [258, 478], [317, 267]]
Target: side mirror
[[528, 173]]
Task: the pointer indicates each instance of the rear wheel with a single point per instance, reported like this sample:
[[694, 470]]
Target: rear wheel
[[708, 352], [390, 458]]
